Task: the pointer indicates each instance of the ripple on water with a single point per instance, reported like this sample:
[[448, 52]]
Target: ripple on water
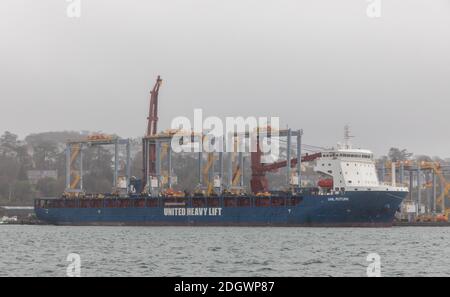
[[214, 251]]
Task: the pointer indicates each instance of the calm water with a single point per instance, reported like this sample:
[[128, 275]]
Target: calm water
[[211, 251]]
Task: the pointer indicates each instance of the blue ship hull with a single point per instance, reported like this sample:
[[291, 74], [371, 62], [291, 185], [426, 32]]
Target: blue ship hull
[[370, 209]]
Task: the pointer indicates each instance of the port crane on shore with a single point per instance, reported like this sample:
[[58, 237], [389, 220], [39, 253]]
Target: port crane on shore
[[437, 169]]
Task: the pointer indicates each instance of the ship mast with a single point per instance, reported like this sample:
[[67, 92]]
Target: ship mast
[[347, 137]]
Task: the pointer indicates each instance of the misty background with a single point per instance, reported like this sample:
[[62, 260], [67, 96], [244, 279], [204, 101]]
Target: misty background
[[317, 64]]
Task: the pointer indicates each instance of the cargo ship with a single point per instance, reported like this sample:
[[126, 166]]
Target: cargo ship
[[347, 194], [350, 194]]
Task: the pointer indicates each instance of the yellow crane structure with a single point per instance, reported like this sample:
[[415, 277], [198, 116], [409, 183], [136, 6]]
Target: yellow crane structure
[[75, 153], [206, 169], [75, 174], [236, 175], [436, 168], [446, 210], [74, 156], [440, 200], [237, 169], [165, 146]]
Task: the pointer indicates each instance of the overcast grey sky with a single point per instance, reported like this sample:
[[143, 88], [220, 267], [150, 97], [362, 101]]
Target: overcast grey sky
[[317, 64]]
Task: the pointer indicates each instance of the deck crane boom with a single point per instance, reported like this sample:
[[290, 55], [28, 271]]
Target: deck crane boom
[[149, 160], [259, 182], [153, 109]]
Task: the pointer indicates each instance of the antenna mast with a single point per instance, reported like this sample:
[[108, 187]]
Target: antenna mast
[[347, 137]]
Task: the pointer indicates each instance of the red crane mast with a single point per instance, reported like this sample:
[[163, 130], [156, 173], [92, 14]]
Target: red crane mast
[[153, 110], [149, 159]]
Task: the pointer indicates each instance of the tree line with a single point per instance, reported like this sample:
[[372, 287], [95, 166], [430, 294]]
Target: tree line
[[46, 151]]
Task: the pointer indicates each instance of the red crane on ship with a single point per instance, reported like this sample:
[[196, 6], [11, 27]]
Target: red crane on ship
[[153, 110], [152, 126], [259, 182]]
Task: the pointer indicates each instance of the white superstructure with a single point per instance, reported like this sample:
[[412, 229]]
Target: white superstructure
[[352, 170]]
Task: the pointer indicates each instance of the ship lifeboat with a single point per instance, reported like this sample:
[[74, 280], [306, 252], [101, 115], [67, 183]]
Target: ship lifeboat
[[326, 183]]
